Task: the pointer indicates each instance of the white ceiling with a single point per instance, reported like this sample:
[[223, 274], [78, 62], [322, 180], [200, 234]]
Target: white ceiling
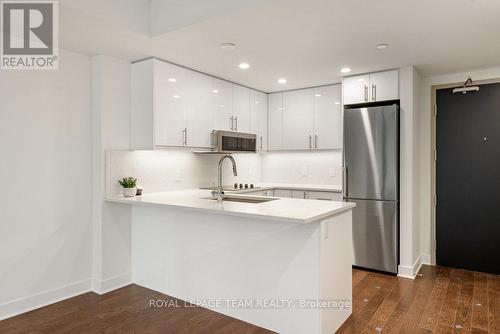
[[306, 41]]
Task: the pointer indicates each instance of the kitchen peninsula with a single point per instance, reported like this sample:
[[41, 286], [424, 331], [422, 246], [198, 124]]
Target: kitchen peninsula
[[280, 263]]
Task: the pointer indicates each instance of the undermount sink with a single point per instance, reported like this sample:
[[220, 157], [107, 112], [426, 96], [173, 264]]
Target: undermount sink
[[251, 200]]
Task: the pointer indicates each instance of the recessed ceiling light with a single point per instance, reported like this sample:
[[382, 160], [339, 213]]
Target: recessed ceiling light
[[221, 106], [282, 81], [244, 66], [228, 46], [361, 79], [215, 91], [345, 70], [257, 102], [172, 79], [176, 96], [317, 95], [382, 46], [337, 102]]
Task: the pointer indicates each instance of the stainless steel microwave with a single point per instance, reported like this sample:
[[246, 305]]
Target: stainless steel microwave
[[230, 141]]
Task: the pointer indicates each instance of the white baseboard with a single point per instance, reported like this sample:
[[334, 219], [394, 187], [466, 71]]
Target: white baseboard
[[426, 259], [29, 303], [405, 271], [110, 284], [412, 271]]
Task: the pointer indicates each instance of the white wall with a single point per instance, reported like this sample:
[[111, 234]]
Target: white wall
[[111, 130], [410, 253], [289, 167], [425, 154], [45, 202]]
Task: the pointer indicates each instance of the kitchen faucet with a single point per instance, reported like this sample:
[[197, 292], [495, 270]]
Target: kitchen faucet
[[220, 190]]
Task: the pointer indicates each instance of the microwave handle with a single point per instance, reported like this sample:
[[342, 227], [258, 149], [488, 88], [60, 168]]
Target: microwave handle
[[231, 122], [236, 123]]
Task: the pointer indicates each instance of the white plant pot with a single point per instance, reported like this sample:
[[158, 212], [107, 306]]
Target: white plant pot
[[129, 192]]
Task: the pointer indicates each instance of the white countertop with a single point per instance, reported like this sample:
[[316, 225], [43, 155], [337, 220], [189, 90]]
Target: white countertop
[[283, 209]]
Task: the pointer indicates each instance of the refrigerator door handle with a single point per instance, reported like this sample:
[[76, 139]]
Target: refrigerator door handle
[[345, 189]]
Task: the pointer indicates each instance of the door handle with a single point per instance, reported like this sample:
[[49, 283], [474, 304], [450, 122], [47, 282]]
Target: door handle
[[345, 183], [231, 122], [366, 93], [374, 92], [316, 140], [310, 141]]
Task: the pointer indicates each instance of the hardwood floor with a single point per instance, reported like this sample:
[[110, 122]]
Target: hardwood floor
[[439, 300]]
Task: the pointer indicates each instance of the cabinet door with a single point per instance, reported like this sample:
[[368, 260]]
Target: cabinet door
[[299, 194], [328, 117], [282, 193], [324, 195], [275, 121], [356, 89], [298, 119], [384, 86], [172, 94], [222, 104], [258, 118], [241, 108], [200, 113]]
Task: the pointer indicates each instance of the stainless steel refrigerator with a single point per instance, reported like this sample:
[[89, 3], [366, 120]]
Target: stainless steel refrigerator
[[371, 180]]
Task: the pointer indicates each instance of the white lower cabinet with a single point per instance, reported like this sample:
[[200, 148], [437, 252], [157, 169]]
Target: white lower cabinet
[[299, 194], [283, 193], [324, 195]]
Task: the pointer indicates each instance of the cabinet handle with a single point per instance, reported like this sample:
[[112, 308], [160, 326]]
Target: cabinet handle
[[304, 195], [185, 136], [316, 140], [374, 92], [261, 142], [236, 123], [310, 141], [231, 121], [366, 93]]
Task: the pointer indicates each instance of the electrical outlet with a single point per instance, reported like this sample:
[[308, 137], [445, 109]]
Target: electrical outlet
[[303, 171], [332, 172]]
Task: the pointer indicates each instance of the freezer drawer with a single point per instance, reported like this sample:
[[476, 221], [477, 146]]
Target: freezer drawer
[[375, 234]]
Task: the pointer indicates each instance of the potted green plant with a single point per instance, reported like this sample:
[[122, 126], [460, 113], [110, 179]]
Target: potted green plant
[[129, 185]]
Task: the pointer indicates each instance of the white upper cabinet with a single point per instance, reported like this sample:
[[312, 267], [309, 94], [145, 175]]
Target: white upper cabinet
[[298, 119], [275, 121], [384, 86], [258, 118], [172, 109], [241, 109], [328, 117], [356, 89], [200, 117], [374, 87], [175, 106], [222, 104]]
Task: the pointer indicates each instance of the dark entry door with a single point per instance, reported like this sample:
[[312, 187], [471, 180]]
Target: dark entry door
[[468, 179]]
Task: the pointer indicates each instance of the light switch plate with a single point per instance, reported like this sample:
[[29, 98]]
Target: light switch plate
[[303, 171]]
